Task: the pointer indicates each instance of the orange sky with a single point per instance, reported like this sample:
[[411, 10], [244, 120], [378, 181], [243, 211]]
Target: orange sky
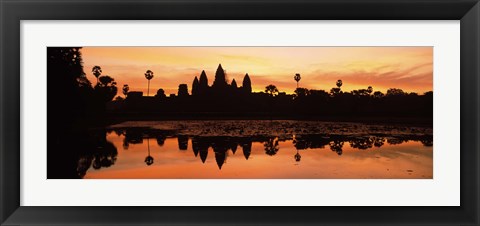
[[407, 68]]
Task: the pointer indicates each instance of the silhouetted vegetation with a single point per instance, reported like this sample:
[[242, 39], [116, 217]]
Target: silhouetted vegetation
[[148, 76], [70, 87], [95, 152], [72, 155], [72, 100], [223, 98], [91, 150], [125, 90], [73, 106]]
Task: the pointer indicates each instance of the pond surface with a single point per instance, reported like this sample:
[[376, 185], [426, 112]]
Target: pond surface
[[308, 150]]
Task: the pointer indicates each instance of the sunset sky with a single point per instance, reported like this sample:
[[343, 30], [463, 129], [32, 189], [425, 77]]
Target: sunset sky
[[407, 68]]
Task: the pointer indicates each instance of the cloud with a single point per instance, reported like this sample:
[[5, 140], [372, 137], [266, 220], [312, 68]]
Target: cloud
[[419, 76]]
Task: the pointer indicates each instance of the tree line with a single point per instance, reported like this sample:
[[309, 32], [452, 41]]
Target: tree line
[[222, 97], [73, 99]]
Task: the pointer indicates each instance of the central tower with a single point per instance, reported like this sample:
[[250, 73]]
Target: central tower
[[220, 81]]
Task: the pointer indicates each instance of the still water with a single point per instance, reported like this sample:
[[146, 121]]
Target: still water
[[135, 153]]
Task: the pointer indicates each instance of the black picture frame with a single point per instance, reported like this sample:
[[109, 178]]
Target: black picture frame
[[13, 11]]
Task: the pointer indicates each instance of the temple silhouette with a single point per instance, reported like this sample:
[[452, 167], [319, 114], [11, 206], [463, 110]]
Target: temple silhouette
[[220, 85], [222, 99]]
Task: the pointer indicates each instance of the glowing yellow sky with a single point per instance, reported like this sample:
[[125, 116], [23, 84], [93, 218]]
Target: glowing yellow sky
[[407, 68]]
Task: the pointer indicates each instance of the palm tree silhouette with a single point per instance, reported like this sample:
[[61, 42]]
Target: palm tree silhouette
[[148, 76], [297, 78], [97, 71], [339, 83], [125, 90], [149, 158]]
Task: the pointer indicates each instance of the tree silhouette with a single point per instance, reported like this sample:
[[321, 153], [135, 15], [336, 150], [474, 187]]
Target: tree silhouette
[[160, 93], [271, 146], [360, 92], [271, 90], [106, 88], [369, 90], [336, 146], [378, 141], [97, 71], [125, 90], [70, 94], [378, 94], [339, 83], [148, 76], [338, 89], [297, 78], [301, 92], [335, 90], [395, 92], [149, 160], [105, 156], [362, 143], [104, 153]]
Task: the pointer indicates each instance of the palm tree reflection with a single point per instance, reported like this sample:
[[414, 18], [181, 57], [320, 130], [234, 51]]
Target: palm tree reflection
[[102, 153], [149, 158], [297, 156]]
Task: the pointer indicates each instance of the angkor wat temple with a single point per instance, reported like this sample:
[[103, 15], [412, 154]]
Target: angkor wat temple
[[224, 100], [220, 85]]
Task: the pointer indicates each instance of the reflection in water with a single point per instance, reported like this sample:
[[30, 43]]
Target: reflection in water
[[182, 142], [271, 146], [149, 158], [353, 156], [247, 149], [79, 152], [337, 145], [297, 156]]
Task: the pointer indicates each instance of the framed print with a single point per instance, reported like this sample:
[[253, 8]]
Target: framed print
[[122, 112]]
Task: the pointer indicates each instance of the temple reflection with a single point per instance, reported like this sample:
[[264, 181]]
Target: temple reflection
[[97, 152]]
